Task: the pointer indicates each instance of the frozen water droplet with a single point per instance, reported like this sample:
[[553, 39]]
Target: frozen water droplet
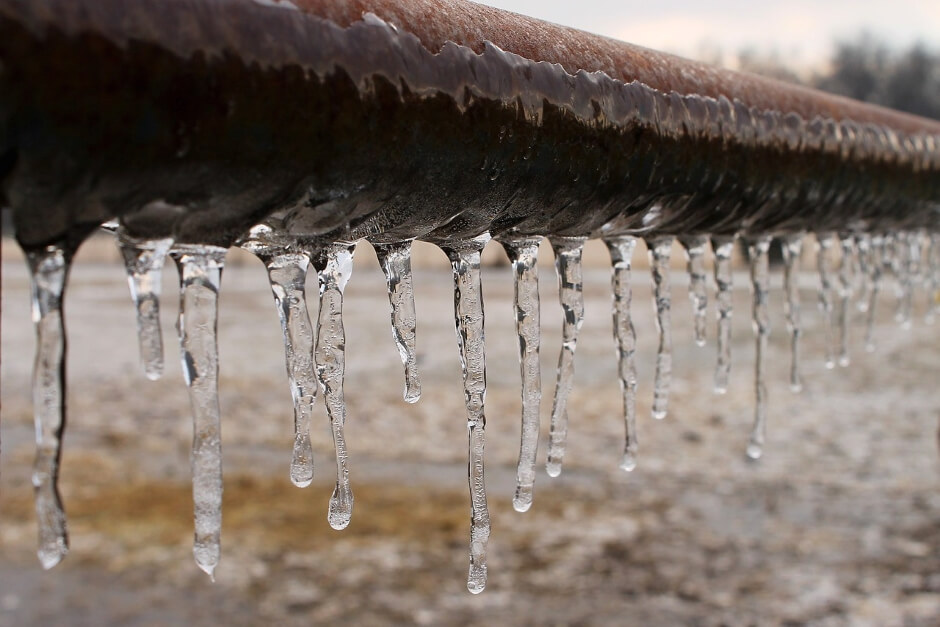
[[334, 265], [660, 249], [200, 269], [395, 260], [468, 317], [698, 283], [760, 285], [792, 247], [523, 253], [723, 247], [825, 243], [143, 260], [846, 279], [621, 256], [570, 294], [49, 270]]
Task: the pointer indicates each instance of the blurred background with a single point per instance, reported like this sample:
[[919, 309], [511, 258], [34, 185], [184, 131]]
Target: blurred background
[[836, 525]]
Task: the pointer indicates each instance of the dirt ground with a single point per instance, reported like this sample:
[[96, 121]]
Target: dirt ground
[[838, 524]]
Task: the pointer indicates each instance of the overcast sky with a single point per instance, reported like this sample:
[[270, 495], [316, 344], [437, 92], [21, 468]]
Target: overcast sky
[[800, 31]]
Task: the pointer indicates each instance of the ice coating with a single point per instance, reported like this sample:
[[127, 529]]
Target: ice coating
[[523, 254], [824, 245], [143, 260], [334, 266], [468, 319], [395, 260], [660, 250], [698, 283], [792, 248], [760, 286], [847, 265], [621, 256], [570, 294], [49, 271], [723, 247], [200, 269]]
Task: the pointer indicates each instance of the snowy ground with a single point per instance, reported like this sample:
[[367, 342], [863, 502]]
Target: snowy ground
[[838, 524]]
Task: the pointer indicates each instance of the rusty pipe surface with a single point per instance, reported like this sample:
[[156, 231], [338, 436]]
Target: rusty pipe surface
[[430, 119]]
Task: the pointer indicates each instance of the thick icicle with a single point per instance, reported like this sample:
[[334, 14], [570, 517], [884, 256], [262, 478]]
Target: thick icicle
[[698, 283], [523, 253], [568, 268], [200, 269], [824, 243], [792, 247], [395, 260], [468, 317], [334, 265], [660, 249], [143, 260], [723, 247], [760, 285], [846, 278], [49, 270], [875, 270], [621, 256]]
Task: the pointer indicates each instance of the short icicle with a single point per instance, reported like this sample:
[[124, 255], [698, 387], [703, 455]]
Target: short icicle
[[723, 248], [698, 283], [825, 242], [334, 265], [792, 248], [49, 271], [570, 293], [468, 318], [395, 260], [875, 270], [621, 256], [846, 279], [660, 249], [760, 284], [143, 260], [200, 269], [523, 253]]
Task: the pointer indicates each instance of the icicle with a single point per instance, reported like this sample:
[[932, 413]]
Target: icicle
[[200, 269], [760, 284], [723, 247], [864, 255], [49, 270], [792, 247], [698, 284], [660, 249], [875, 269], [143, 260], [335, 265], [523, 253], [933, 279], [395, 260], [621, 255], [468, 317], [568, 268], [846, 278], [909, 273], [826, 290]]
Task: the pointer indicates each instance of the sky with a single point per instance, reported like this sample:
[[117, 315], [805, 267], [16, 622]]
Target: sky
[[800, 32]]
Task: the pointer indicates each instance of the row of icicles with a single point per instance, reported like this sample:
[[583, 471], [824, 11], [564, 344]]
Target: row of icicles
[[315, 355]]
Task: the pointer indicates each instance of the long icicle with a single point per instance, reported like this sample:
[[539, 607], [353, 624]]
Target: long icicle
[[49, 271], [723, 247], [698, 283], [825, 243], [200, 269], [792, 248], [468, 318], [760, 284], [395, 260], [621, 256], [570, 293], [846, 278], [143, 260], [334, 265], [660, 249], [876, 269], [523, 253], [933, 279]]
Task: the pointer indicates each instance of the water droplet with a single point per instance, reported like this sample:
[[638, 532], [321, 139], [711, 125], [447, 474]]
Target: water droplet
[[621, 256], [723, 247], [760, 285], [660, 249], [395, 260], [792, 247], [698, 283]]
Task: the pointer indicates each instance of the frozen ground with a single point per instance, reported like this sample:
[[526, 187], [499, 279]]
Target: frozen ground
[[839, 524]]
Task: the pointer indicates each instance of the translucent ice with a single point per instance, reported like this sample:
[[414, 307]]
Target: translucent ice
[[723, 247], [825, 242], [621, 255], [698, 286], [660, 249], [760, 285], [792, 247], [847, 265], [395, 260]]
